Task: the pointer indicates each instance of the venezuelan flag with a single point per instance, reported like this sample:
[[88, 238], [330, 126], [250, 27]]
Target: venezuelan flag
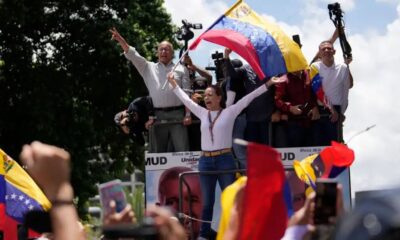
[[329, 163], [19, 194], [316, 85], [266, 189], [267, 49]]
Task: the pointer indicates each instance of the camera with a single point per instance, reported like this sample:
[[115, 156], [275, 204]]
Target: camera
[[218, 58], [132, 117], [334, 6], [184, 33], [334, 9], [336, 15]]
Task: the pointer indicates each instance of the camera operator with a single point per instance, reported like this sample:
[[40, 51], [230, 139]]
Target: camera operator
[[137, 119]]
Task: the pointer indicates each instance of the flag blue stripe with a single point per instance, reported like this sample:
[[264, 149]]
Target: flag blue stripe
[[18, 203], [2, 189], [270, 56], [288, 198], [316, 83]]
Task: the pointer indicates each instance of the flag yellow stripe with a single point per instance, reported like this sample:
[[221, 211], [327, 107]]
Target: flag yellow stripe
[[20, 179]]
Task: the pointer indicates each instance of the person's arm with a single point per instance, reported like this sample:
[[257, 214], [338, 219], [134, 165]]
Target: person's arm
[[285, 107], [186, 84], [122, 42], [351, 82], [234, 79], [333, 39], [125, 216], [167, 225], [189, 103], [230, 98], [49, 167], [347, 84], [130, 52], [246, 100], [280, 93], [204, 73]]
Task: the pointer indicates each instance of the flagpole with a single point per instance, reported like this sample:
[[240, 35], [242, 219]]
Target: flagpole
[[240, 142], [233, 6], [187, 50]]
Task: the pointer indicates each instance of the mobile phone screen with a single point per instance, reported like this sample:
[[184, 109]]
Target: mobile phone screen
[[325, 201], [112, 190]]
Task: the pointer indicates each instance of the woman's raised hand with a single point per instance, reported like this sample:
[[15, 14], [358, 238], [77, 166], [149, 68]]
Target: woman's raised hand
[[171, 79]]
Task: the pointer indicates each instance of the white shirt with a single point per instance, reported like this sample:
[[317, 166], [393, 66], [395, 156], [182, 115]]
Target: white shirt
[[155, 76], [335, 83], [295, 232], [223, 126]]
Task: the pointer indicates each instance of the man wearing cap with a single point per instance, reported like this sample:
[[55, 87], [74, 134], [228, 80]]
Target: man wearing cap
[[171, 135]]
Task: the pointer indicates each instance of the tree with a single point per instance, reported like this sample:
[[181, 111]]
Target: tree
[[62, 79]]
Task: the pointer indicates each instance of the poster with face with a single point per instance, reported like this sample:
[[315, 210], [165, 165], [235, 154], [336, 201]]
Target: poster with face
[[162, 187]]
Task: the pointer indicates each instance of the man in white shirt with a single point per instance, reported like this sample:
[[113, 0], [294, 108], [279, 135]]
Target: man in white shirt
[[336, 82], [171, 134]]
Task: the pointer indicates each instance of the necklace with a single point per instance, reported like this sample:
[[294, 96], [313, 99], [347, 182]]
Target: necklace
[[212, 122]]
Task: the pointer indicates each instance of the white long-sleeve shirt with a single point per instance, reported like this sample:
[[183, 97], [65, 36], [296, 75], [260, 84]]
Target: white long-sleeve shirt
[[155, 75], [223, 126]]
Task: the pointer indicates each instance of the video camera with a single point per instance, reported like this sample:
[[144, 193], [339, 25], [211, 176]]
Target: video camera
[[218, 62], [184, 33], [336, 15], [334, 9]]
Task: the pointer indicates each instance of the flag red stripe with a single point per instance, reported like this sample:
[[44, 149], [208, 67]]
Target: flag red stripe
[[235, 41]]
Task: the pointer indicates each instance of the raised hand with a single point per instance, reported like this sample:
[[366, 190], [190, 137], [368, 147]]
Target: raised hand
[[171, 79], [49, 167], [114, 217], [116, 36], [276, 80]]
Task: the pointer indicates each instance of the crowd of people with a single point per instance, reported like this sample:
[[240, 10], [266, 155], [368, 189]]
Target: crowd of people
[[242, 106], [374, 218]]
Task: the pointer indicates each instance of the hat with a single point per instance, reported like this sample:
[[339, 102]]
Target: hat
[[236, 63]]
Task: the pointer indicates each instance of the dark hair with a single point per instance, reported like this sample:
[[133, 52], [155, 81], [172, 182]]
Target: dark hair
[[218, 91]]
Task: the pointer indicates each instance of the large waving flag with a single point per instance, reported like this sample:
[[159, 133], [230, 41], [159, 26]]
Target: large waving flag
[[267, 197], [19, 194], [267, 49]]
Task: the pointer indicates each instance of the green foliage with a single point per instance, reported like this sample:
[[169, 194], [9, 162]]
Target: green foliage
[[62, 80]]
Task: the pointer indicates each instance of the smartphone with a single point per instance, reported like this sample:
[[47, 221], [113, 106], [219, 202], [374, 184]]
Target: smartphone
[[325, 201], [112, 190]]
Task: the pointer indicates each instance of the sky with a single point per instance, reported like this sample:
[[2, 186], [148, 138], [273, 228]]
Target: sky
[[373, 31]]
